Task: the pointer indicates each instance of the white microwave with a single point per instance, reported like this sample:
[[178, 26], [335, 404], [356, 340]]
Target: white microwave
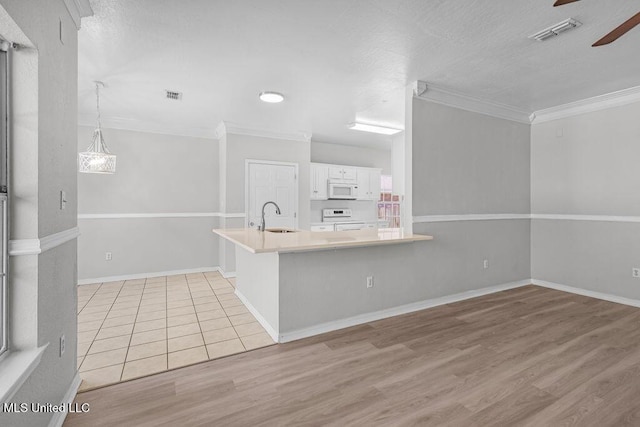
[[342, 190]]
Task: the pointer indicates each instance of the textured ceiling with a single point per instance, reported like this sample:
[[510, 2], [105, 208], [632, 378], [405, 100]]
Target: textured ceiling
[[338, 61]]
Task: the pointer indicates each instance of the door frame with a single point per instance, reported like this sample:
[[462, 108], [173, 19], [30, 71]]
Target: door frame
[[247, 163]]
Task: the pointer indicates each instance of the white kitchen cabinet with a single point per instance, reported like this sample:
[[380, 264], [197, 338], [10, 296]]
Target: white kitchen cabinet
[[342, 173], [368, 183], [319, 174]]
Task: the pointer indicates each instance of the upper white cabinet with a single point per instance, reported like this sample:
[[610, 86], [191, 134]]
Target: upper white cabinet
[[319, 177], [368, 183], [343, 173], [368, 180]]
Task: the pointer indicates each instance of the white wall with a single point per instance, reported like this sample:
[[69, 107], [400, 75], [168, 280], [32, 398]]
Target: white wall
[[156, 174], [338, 154], [587, 165], [43, 160]]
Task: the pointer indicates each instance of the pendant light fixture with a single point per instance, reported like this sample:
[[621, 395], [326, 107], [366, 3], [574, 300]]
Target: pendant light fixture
[[97, 158]]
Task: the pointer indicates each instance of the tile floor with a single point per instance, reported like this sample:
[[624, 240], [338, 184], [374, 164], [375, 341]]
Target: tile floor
[[134, 328]]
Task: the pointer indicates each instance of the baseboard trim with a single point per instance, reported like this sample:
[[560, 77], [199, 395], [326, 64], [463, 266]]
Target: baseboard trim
[[587, 293], [145, 275], [267, 327], [58, 418], [227, 274], [395, 311]]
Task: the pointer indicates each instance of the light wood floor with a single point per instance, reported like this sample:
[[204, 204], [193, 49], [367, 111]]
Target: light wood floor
[[529, 356]]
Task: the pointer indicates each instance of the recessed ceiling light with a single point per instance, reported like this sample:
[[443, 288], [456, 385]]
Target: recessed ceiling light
[[374, 128], [271, 97]]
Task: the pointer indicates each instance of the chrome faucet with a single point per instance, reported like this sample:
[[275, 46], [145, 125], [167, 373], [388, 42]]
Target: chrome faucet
[[261, 227]]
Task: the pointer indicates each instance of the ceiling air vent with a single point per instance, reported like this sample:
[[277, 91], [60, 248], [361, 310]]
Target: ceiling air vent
[[177, 96], [556, 29]]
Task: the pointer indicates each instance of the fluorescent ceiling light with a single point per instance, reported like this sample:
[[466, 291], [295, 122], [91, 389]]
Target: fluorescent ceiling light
[[374, 128], [556, 29], [271, 97]]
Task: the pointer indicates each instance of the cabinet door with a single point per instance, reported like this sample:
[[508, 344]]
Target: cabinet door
[[349, 174], [363, 184], [335, 172], [374, 184], [318, 178], [322, 173]]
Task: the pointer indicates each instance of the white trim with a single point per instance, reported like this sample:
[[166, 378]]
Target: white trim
[[488, 217], [267, 327], [604, 218], [37, 246], [24, 247], [57, 239], [15, 368], [469, 103], [162, 215], [395, 311], [58, 418], [78, 9], [587, 293], [134, 125], [225, 127], [588, 105], [468, 217], [145, 275], [227, 275]]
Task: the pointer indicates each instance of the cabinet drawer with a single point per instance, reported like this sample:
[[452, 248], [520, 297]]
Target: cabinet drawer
[[322, 228]]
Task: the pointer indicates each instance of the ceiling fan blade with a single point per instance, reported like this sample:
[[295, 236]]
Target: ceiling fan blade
[[563, 2], [619, 31]]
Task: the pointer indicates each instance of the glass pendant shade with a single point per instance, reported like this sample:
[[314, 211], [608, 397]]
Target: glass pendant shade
[[97, 158]]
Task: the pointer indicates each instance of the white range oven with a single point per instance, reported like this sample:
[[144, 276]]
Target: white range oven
[[342, 220]]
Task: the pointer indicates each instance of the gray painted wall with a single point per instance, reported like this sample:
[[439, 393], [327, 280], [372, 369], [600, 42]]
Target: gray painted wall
[[155, 174], [469, 163], [587, 165], [403, 274], [42, 287], [338, 154]]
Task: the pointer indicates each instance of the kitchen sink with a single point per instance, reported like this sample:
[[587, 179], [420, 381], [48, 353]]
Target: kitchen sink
[[280, 230]]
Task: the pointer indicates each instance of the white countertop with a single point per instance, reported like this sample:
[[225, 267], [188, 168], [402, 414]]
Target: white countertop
[[302, 240]]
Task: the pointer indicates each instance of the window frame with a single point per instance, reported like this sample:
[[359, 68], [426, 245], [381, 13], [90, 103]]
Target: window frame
[[4, 197]]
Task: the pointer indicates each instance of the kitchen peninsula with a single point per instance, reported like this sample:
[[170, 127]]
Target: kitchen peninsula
[[303, 283]]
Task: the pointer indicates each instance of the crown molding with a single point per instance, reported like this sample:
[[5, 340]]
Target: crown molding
[[225, 127], [78, 9], [148, 127], [450, 98], [588, 105]]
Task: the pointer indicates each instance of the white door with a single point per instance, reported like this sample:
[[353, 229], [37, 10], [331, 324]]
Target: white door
[[276, 183]]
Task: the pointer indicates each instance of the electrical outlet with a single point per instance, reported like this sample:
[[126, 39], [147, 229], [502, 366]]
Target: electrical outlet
[[370, 282], [63, 345], [635, 272], [107, 256], [63, 200], [485, 264]]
